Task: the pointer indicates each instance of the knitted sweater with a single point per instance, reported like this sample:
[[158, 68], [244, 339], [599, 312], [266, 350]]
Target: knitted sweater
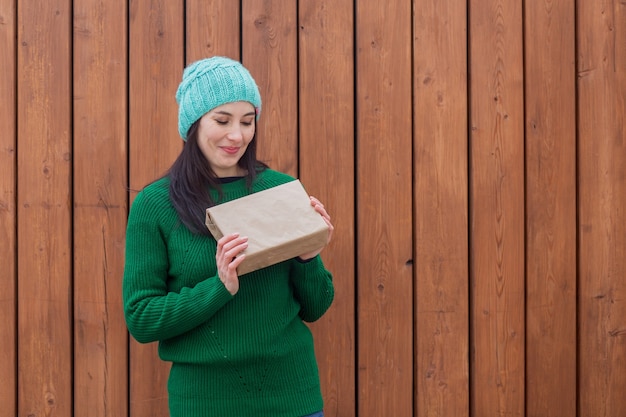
[[250, 354]]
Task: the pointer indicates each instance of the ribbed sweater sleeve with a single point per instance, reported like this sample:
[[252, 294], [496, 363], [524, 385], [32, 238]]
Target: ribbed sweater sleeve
[[313, 288], [152, 312]]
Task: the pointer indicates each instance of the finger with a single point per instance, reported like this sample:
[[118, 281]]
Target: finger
[[236, 262], [315, 201], [319, 207], [234, 248], [235, 242], [229, 247], [322, 212], [224, 240]]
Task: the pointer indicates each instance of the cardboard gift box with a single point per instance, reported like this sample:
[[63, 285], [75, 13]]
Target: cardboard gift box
[[280, 224]]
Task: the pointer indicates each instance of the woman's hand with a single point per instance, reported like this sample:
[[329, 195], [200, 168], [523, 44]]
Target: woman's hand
[[228, 247], [319, 207]]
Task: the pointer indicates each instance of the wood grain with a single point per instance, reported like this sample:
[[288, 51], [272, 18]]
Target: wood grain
[[212, 28], [100, 207], [269, 50], [156, 64], [384, 209], [44, 215], [8, 221], [440, 119], [550, 102], [326, 153], [601, 200], [497, 208]]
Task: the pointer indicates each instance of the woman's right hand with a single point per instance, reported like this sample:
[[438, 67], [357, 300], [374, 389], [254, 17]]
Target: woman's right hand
[[228, 247]]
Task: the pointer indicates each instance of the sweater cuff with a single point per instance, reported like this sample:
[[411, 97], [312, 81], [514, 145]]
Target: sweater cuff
[[305, 261], [307, 266]]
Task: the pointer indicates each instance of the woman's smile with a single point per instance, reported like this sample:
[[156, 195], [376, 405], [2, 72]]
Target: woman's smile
[[231, 149]]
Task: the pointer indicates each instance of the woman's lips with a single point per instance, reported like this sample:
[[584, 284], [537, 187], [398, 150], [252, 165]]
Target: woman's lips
[[230, 149]]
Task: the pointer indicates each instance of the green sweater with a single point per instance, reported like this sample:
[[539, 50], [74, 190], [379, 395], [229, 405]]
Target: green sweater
[[250, 354]]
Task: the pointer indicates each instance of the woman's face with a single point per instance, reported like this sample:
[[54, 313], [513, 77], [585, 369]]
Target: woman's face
[[224, 134]]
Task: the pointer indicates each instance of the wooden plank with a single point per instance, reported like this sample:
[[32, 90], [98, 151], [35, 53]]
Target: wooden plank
[[100, 208], [156, 66], [551, 208], [602, 198], [8, 178], [43, 209], [384, 209], [269, 51], [441, 209], [497, 208], [326, 148], [212, 29]]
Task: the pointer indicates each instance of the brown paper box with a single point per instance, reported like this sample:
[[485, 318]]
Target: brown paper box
[[280, 224]]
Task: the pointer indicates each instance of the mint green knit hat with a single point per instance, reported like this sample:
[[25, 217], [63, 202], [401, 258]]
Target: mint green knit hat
[[208, 84]]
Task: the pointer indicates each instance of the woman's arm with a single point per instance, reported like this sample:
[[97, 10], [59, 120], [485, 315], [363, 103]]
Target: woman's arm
[[152, 312], [313, 288]]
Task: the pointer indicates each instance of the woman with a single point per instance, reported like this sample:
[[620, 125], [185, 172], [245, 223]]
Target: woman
[[238, 344]]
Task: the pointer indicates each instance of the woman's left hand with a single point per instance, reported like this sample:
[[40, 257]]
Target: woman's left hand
[[319, 207]]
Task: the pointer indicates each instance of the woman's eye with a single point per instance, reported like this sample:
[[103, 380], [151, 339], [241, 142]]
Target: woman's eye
[[246, 123], [221, 122]]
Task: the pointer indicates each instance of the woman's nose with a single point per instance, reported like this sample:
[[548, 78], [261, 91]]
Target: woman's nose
[[235, 133]]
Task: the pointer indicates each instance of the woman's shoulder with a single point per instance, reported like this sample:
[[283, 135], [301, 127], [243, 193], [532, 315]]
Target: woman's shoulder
[[155, 195]]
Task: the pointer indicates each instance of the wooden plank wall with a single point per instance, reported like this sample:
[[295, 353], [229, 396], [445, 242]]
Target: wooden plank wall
[[472, 155]]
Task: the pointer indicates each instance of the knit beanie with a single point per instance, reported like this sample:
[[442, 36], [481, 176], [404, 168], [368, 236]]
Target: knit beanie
[[208, 84]]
